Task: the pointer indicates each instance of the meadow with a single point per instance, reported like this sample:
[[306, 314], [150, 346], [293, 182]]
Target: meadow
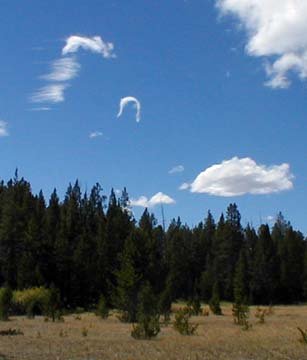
[[87, 337]]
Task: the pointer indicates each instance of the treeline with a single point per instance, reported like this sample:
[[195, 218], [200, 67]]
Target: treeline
[[87, 246]]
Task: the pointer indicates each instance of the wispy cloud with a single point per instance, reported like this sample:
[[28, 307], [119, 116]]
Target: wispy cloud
[[3, 129], [184, 186], [67, 68], [52, 93], [176, 169], [270, 218], [94, 44], [276, 29], [242, 176], [158, 198], [95, 134], [63, 69], [126, 100], [41, 108]]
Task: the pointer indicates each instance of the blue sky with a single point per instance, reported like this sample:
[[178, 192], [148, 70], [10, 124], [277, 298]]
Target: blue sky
[[219, 83]]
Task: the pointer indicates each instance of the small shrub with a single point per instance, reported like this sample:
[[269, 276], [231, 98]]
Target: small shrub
[[214, 302], [215, 306], [62, 333], [194, 306], [31, 301], [165, 304], [260, 315], [84, 332], [52, 302], [79, 310], [102, 309], [77, 317], [11, 332], [303, 333], [246, 325], [205, 312], [59, 317], [146, 329], [5, 303], [182, 324], [240, 313], [148, 315], [123, 316]]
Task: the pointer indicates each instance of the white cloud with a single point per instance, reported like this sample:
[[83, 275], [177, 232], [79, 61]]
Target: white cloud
[[52, 93], [95, 134], [126, 100], [184, 186], [275, 28], [3, 129], [94, 44], [176, 169], [158, 198], [63, 69], [42, 108], [270, 218], [242, 176]]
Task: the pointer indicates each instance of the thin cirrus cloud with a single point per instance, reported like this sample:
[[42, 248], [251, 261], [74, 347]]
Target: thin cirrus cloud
[[95, 134], [3, 129], [95, 44], [63, 69], [276, 29], [67, 68], [52, 93], [158, 198], [125, 101], [237, 176], [176, 169]]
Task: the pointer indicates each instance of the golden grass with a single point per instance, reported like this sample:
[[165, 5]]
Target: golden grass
[[217, 338]]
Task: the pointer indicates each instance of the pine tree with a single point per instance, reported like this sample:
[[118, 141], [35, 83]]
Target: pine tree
[[129, 281]]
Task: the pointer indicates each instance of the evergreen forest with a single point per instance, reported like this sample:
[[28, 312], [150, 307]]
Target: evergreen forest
[[89, 245]]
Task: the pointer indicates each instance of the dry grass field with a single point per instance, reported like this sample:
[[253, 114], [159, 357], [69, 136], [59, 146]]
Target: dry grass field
[[217, 338]]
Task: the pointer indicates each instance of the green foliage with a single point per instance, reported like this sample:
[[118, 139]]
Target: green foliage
[[165, 304], [128, 282], [31, 301], [5, 303], [214, 302], [102, 308], [52, 303], [148, 316], [194, 306], [240, 313], [147, 328], [182, 322]]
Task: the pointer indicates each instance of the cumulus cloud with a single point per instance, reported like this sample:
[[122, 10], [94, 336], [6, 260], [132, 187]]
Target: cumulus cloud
[[52, 93], [3, 129], [176, 169], [242, 176], [95, 134], [94, 44], [126, 100], [63, 69], [158, 198], [277, 29]]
